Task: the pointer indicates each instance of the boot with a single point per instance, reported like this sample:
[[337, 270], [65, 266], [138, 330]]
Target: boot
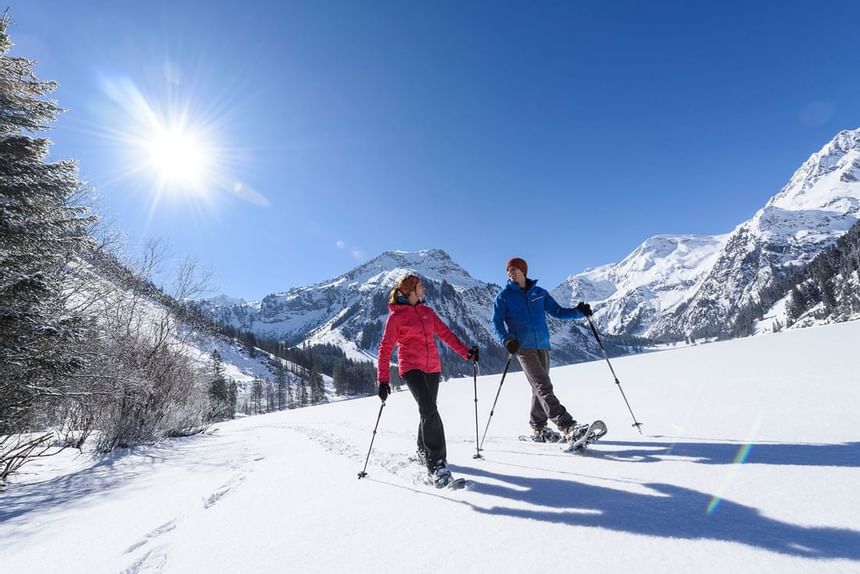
[[441, 476], [573, 432]]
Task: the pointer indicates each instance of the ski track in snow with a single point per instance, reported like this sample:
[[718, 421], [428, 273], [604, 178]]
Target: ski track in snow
[[223, 491], [153, 561], [150, 553], [154, 557], [166, 527], [396, 463]]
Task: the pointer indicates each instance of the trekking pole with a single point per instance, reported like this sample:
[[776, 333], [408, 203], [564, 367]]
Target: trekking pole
[[636, 423], [475, 379], [363, 472], [492, 410]]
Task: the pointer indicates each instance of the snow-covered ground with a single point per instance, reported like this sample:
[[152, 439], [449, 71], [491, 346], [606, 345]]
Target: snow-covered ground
[[750, 462]]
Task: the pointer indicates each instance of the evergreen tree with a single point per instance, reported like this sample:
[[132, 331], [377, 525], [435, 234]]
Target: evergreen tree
[[341, 383], [221, 404], [291, 396], [303, 392], [41, 232], [281, 384], [257, 395], [317, 387], [795, 305], [270, 397]]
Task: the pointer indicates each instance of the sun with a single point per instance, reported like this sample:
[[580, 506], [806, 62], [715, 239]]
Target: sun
[[178, 156], [173, 150]]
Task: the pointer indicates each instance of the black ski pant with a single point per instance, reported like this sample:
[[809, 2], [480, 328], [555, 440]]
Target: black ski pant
[[431, 434], [545, 405]]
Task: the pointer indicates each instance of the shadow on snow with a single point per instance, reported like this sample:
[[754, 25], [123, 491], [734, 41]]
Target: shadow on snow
[[671, 511], [843, 454], [100, 478]]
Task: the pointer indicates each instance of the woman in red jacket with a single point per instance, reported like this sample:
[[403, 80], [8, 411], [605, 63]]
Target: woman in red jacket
[[414, 327]]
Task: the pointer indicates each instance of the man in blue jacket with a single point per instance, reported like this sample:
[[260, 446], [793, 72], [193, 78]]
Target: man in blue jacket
[[519, 320]]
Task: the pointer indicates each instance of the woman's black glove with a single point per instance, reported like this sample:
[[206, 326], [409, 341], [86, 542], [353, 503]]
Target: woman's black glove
[[384, 390], [472, 355]]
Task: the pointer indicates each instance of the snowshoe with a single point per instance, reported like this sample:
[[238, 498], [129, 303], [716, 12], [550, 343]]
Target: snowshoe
[[593, 432], [442, 478], [542, 434]]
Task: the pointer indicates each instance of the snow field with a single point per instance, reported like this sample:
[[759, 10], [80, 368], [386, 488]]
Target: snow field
[[749, 463]]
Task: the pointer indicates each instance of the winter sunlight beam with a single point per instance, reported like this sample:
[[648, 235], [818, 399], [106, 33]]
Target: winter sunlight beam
[[167, 147]]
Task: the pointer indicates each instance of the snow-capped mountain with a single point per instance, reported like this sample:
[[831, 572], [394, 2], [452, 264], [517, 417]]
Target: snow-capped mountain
[[658, 275], [696, 286], [669, 287], [819, 204], [350, 310]]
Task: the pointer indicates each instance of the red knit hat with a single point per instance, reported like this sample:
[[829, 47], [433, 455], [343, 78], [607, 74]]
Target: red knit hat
[[519, 263]]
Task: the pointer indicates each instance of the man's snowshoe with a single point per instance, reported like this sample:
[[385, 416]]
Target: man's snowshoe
[[593, 432], [574, 432]]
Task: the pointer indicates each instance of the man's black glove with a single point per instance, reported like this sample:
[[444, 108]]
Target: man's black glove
[[585, 309], [384, 390], [512, 345], [472, 355]]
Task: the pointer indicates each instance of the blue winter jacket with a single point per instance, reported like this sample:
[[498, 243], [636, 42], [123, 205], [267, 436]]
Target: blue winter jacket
[[521, 314]]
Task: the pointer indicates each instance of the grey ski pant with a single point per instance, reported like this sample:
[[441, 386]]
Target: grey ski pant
[[545, 405], [431, 433]]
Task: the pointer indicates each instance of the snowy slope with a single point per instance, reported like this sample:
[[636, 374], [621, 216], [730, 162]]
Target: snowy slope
[[105, 293], [749, 463]]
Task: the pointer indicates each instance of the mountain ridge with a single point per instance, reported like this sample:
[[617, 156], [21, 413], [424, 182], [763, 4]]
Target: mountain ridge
[[669, 288]]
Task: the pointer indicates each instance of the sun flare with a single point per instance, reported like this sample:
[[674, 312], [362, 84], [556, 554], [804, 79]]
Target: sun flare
[[178, 156], [171, 149]]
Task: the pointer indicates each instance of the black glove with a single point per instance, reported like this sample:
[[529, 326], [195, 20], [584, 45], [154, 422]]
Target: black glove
[[585, 309], [472, 355], [384, 390], [512, 345]]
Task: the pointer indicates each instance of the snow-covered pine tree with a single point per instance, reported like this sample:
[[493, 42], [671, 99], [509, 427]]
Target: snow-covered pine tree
[[281, 383], [291, 395], [41, 231], [257, 395], [220, 403]]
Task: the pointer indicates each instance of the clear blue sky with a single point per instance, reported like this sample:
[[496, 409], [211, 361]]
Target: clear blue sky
[[565, 132]]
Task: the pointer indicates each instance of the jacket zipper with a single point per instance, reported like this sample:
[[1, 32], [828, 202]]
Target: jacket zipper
[[531, 318]]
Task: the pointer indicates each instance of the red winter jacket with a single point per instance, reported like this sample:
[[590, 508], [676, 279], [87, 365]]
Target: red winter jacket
[[414, 328]]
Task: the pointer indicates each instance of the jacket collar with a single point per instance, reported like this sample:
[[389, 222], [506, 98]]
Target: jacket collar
[[529, 284], [403, 303]]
